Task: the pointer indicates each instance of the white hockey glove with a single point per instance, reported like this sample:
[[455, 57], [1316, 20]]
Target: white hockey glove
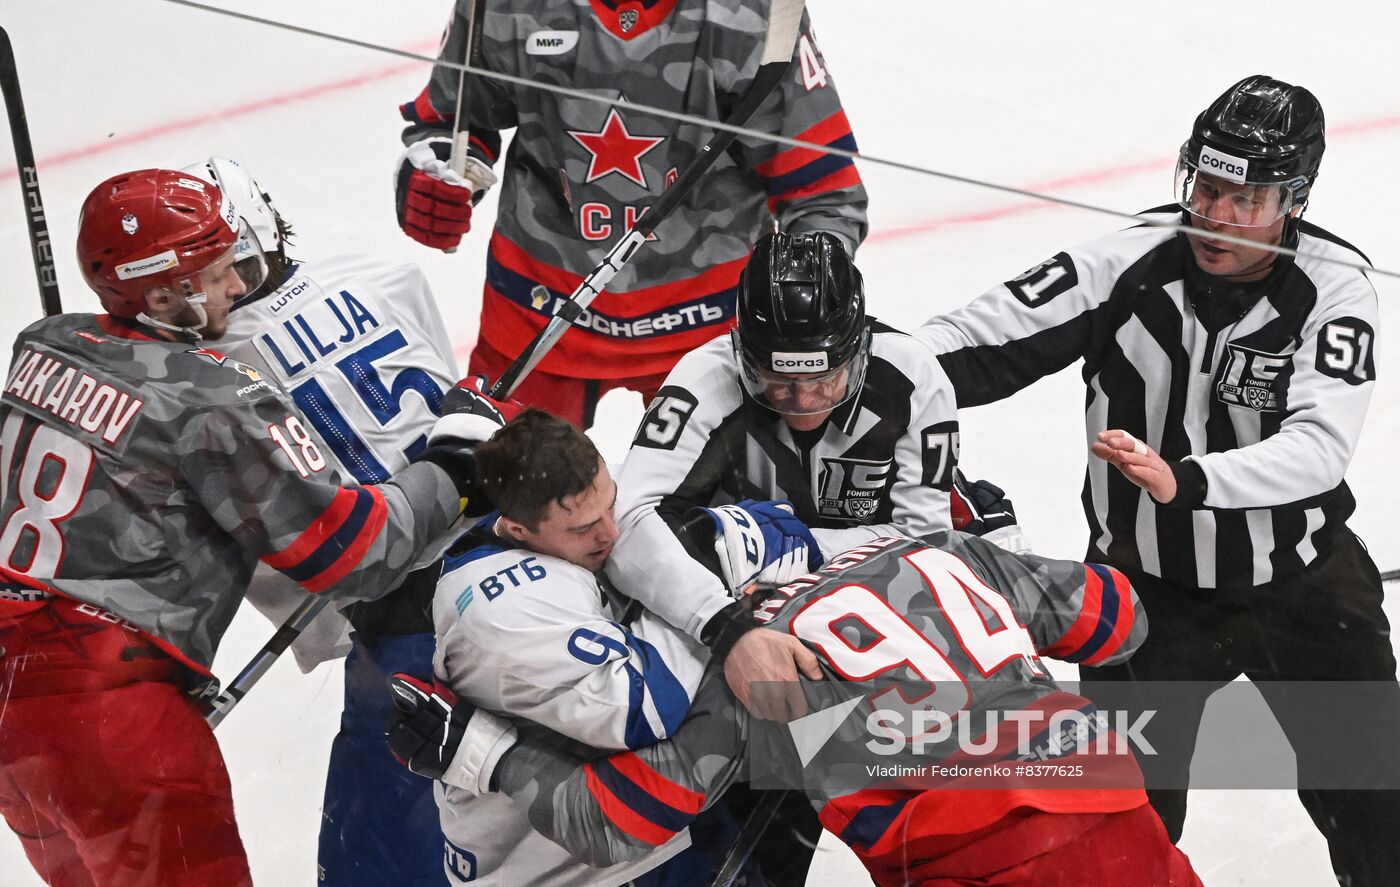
[[762, 543], [439, 736]]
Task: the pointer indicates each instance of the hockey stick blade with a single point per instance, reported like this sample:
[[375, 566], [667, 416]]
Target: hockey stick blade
[[264, 660], [784, 19], [39, 243]]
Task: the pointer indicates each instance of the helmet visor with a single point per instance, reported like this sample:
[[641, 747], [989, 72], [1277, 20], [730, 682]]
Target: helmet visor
[[1243, 204], [248, 258], [803, 394]]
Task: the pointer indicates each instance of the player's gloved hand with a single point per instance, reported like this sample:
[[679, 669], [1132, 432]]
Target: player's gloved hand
[[762, 542], [982, 509], [434, 203], [439, 736], [470, 414]]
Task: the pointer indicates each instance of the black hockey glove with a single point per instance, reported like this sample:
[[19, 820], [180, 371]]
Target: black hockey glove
[[425, 725], [979, 506], [439, 736]]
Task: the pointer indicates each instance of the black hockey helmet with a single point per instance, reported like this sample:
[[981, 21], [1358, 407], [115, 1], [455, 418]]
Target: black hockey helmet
[[1262, 134], [802, 340]]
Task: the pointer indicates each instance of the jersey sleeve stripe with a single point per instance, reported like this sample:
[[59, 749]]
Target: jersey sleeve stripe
[[834, 130], [340, 549], [1124, 618], [641, 774], [421, 110], [846, 177], [316, 533], [630, 807], [1097, 616], [369, 531], [819, 168]]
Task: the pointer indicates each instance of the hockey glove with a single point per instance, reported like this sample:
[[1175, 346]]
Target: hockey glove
[[982, 509], [470, 415], [436, 735], [762, 542], [434, 203]]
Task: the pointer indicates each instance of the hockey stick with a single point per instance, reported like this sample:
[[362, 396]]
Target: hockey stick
[[749, 835], [1390, 575], [461, 137], [260, 663], [39, 243], [783, 22]]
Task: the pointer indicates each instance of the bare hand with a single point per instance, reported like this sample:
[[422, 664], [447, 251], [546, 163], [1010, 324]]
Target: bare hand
[[762, 670], [1138, 462]]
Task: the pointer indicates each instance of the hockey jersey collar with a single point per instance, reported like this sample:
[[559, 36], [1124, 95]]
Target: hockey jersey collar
[[631, 18]]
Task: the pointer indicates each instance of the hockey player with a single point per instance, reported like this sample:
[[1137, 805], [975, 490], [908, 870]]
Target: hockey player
[[1227, 389], [145, 475], [525, 626], [950, 623], [579, 173], [356, 341]]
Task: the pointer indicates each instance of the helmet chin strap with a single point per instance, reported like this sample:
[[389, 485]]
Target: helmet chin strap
[[192, 332]]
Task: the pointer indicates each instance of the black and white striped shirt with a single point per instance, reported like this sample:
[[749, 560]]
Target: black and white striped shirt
[[1264, 386], [881, 465]]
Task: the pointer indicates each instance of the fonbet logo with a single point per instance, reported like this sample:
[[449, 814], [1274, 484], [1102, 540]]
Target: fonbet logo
[[1226, 166], [550, 42], [799, 362]]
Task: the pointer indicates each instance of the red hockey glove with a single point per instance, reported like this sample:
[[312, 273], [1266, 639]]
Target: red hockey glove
[[434, 203]]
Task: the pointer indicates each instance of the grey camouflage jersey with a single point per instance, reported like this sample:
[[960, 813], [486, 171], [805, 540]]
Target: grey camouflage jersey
[[147, 477], [950, 622], [578, 172]]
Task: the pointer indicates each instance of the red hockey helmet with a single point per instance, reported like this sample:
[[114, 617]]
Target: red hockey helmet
[[151, 228]]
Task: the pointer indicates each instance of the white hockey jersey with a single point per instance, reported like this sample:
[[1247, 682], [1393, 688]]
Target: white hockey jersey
[[537, 638], [358, 343], [882, 465]]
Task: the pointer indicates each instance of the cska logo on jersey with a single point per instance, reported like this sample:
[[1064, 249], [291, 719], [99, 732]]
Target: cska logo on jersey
[[615, 150]]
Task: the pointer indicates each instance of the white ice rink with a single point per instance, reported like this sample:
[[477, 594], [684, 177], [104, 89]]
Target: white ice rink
[[1087, 99]]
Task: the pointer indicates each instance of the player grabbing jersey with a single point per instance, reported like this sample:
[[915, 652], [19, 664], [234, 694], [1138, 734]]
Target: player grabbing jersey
[[579, 173], [145, 475], [1227, 386], [950, 624], [358, 344]]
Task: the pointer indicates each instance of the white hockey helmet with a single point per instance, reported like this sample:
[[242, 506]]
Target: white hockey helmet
[[262, 233]]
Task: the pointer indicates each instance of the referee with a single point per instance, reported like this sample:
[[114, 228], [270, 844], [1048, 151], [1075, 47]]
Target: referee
[[1227, 386]]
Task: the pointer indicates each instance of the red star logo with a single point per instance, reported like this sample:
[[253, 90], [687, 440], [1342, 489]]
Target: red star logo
[[614, 149]]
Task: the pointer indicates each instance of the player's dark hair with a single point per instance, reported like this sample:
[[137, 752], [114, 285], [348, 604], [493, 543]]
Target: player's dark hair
[[533, 460]]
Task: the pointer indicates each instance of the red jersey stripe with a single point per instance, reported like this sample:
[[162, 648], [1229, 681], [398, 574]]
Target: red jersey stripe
[[378, 516], [823, 133], [318, 532], [845, 177], [622, 816], [1083, 627], [1123, 624], [656, 785]]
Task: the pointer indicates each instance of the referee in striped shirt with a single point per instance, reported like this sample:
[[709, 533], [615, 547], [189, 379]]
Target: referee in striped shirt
[[1227, 386]]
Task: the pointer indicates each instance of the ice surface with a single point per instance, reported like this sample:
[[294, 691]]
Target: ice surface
[[1086, 98]]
